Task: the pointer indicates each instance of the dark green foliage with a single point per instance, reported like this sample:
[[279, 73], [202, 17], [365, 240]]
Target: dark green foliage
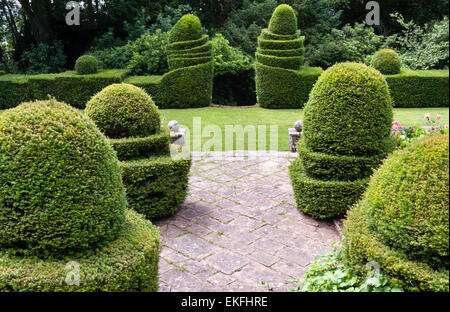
[[283, 88], [129, 263], [412, 189], [151, 85], [346, 134], [387, 62], [124, 110], [323, 199], [187, 28], [402, 221], [67, 87], [283, 21], [156, 186], [44, 58], [135, 148], [349, 111], [86, 65], [280, 83], [424, 88], [60, 184]]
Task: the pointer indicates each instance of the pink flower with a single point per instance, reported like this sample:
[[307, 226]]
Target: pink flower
[[446, 126], [394, 128], [438, 117], [395, 122], [427, 116], [414, 130], [396, 136], [164, 119]]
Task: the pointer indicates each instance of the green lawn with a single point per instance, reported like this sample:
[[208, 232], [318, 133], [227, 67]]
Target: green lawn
[[218, 118]]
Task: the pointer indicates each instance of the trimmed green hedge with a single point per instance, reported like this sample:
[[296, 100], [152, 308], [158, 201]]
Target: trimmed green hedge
[[284, 88], [387, 62], [67, 87], [156, 186], [129, 263], [423, 88], [283, 20], [180, 62], [323, 199], [291, 62], [186, 29], [281, 44], [132, 148], [86, 65]]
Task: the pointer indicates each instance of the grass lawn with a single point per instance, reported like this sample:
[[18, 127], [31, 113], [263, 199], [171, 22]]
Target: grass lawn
[[219, 118]]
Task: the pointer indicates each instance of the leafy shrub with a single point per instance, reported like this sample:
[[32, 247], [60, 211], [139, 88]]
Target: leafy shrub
[[86, 65], [283, 21], [44, 58], [402, 221], [387, 62], [329, 274], [186, 29], [346, 134], [124, 110], [101, 269], [60, 184], [422, 47], [234, 82]]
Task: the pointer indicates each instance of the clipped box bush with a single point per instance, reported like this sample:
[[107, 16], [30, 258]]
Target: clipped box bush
[[86, 65], [387, 62], [346, 134], [62, 198], [280, 80], [156, 184], [402, 221]]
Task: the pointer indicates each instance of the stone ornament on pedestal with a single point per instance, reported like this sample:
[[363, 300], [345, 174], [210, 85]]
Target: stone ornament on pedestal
[[177, 134], [294, 136]]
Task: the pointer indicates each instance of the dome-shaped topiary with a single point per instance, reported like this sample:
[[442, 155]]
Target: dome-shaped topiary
[[407, 201], [187, 28], [402, 221], [86, 64], [283, 21], [60, 184], [124, 110], [349, 111], [387, 62]]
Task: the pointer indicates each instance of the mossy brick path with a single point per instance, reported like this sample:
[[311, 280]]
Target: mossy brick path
[[239, 227]]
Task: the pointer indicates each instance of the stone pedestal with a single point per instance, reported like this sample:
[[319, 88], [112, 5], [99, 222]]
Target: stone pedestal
[[294, 137]]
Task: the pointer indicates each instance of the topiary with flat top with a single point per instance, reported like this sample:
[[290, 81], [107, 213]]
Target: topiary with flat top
[[123, 110], [387, 62], [60, 184], [402, 223], [346, 134]]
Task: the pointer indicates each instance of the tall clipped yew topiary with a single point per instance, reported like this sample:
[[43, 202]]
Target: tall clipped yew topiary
[[280, 80], [156, 184], [190, 80], [402, 222], [346, 135], [62, 198]]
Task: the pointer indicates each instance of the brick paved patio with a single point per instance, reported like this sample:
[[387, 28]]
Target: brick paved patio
[[239, 229]]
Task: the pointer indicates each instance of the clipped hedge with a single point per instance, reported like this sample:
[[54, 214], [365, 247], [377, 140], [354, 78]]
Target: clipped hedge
[[67, 87], [186, 29], [128, 263], [156, 186], [423, 88], [60, 184], [123, 110], [346, 134], [402, 222], [323, 199], [284, 88], [280, 80], [86, 65]]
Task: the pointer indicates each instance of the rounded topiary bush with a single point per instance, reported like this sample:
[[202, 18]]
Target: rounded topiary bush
[[86, 64], [349, 111], [402, 221], [187, 28], [283, 21], [387, 62], [123, 110], [61, 189]]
